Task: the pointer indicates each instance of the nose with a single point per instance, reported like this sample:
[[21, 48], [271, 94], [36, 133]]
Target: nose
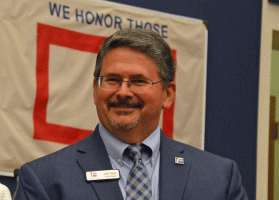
[[124, 90]]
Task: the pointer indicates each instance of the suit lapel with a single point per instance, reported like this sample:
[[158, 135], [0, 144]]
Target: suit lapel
[[173, 177], [92, 156]]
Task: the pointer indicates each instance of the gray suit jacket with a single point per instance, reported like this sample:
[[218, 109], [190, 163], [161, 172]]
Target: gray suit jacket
[[61, 175]]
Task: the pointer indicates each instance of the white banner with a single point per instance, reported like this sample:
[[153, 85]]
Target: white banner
[[48, 52]]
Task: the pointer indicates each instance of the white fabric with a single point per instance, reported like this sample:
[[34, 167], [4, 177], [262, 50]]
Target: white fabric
[[5, 193], [69, 71]]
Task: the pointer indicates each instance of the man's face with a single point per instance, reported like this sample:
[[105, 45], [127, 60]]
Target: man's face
[[124, 110]]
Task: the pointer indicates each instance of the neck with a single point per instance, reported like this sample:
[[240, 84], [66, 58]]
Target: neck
[[133, 135]]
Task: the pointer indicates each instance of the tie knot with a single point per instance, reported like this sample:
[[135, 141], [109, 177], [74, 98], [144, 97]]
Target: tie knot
[[134, 152]]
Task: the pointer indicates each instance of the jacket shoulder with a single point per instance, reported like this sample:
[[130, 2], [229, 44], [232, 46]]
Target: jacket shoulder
[[197, 155]]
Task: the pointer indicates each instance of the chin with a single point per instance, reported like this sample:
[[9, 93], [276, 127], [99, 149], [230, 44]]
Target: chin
[[123, 126]]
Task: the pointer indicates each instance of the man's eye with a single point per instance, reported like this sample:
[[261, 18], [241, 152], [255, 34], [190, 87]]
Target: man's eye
[[113, 80], [138, 81]]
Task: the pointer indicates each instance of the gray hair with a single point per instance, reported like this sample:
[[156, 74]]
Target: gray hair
[[145, 41]]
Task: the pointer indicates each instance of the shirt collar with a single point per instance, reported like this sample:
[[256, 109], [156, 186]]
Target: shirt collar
[[116, 147]]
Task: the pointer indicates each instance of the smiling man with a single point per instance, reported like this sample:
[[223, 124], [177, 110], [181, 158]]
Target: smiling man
[[130, 94], [128, 156]]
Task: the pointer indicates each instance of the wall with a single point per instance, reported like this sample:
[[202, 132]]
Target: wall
[[270, 21], [274, 91]]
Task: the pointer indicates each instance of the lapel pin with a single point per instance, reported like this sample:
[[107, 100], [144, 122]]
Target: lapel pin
[[102, 175], [179, 160]]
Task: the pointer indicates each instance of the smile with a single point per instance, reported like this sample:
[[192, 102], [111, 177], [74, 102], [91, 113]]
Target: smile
[[124, 110]]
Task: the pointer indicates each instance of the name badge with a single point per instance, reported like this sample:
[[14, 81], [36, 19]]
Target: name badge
[[102, 175]]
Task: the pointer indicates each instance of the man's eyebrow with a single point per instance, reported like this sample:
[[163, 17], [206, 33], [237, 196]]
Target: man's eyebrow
[[112, 75], [132, 76], [138, 76]]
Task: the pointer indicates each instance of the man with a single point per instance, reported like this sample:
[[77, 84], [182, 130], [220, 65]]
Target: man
[[128, 156]]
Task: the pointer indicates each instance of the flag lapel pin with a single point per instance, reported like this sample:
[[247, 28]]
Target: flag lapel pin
[[179, 161]]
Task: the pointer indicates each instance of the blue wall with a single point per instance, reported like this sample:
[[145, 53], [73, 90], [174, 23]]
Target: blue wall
[[232, 77]]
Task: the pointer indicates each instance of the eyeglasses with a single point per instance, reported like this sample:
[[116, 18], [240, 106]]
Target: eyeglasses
[[137, 85]]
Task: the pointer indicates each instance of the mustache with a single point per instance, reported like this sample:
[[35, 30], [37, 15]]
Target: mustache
[[125, 103]]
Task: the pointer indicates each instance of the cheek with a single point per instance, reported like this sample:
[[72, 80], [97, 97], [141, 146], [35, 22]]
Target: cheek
[[153, 101], [102, 96], [100, 101], [156, 97]]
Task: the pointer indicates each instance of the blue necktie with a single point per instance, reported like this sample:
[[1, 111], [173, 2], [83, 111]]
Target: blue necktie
[[138, 183]]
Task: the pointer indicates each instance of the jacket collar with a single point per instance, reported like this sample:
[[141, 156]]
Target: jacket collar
[[92, 156], [173, 176]]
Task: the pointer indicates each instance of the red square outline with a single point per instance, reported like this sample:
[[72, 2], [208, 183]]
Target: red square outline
[[47, 35]]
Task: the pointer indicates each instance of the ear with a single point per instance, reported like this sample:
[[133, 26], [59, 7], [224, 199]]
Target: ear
[[170, 94], [94, 90]]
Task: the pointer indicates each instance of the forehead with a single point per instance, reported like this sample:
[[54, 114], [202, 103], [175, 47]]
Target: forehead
[[125, 61]]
